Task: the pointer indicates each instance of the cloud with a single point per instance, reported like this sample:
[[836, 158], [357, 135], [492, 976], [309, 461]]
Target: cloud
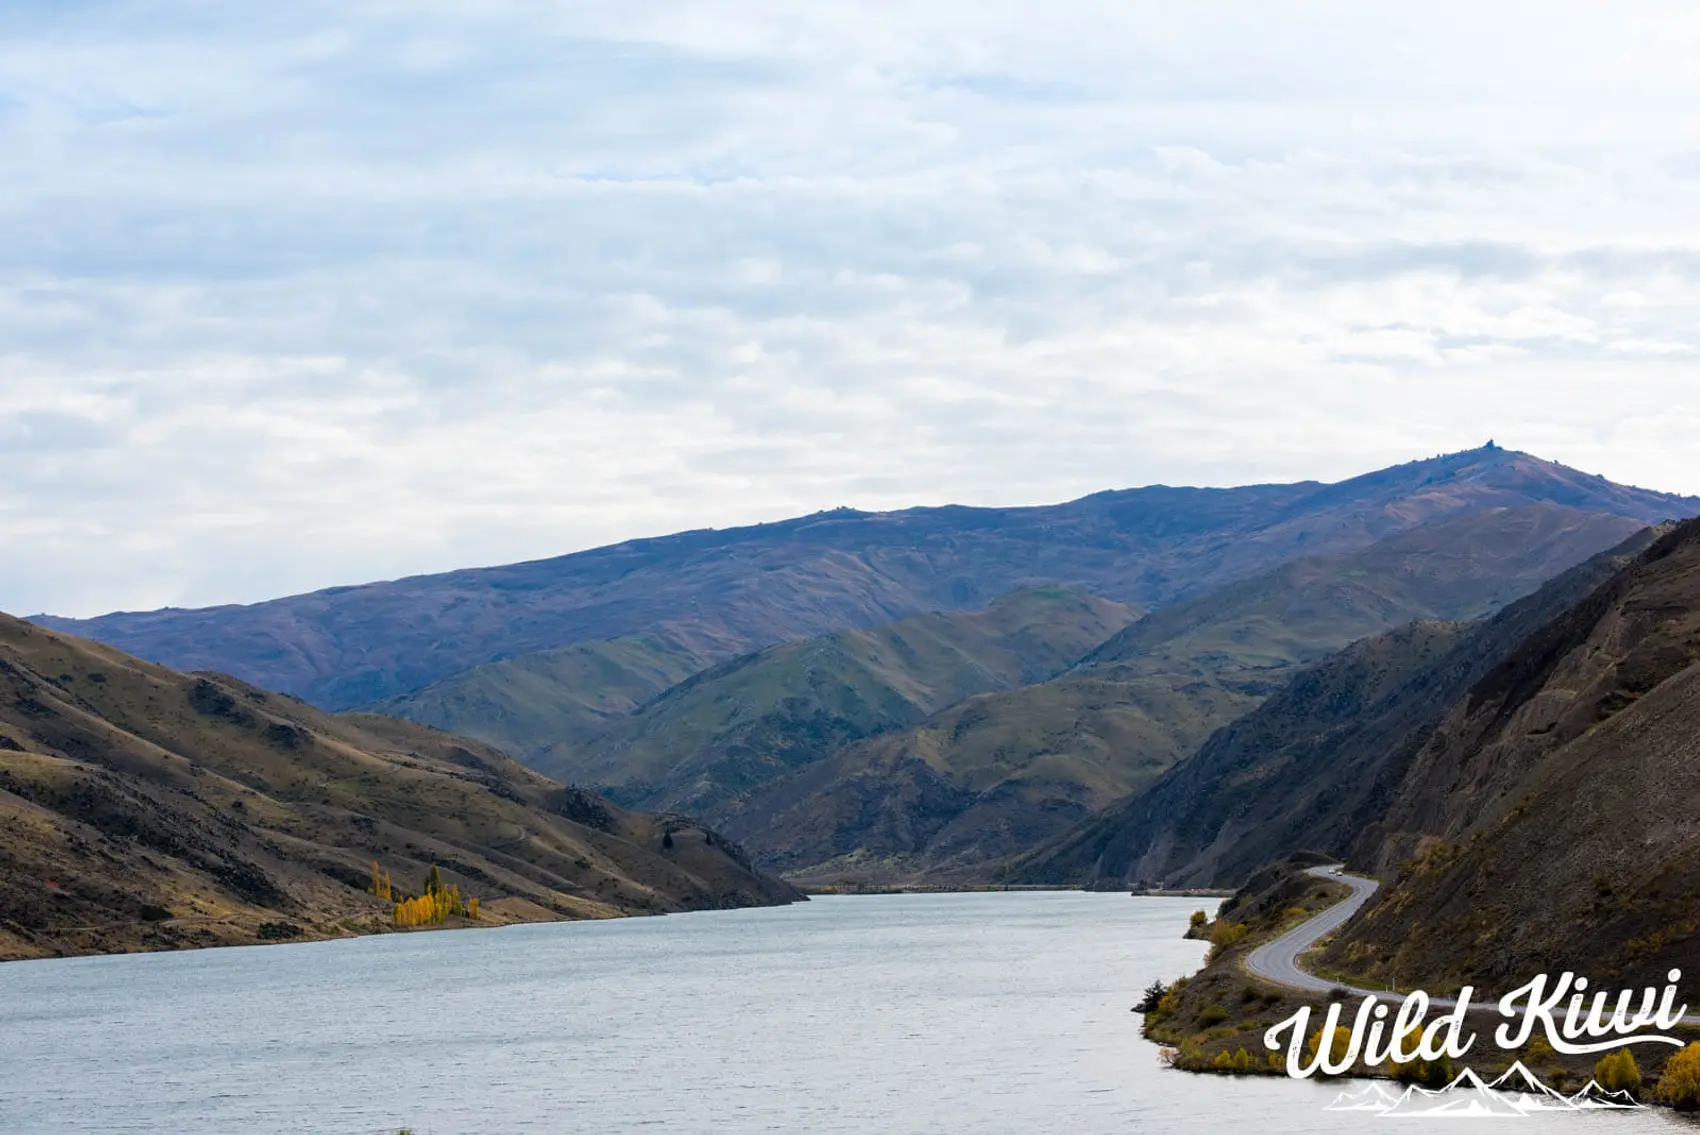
[[310, 294]]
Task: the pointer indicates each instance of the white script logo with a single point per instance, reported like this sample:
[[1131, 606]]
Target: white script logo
[[1582, 1026]]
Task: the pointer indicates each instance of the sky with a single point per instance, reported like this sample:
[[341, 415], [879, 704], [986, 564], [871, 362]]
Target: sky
[[319, 293]]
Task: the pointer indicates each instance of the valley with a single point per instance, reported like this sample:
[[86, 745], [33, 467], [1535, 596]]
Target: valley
[[1156, 687]]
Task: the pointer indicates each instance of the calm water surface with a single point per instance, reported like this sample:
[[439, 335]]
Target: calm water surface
[[902, 1013]]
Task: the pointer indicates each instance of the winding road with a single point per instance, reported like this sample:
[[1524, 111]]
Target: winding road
[[1278, 961]]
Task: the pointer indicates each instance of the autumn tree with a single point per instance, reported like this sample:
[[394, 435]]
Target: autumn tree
[[1618, 1072], [1339, 1044], [1679, 1083]]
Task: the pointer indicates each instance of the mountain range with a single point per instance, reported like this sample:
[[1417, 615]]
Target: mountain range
[[949, 692], [718, 594]]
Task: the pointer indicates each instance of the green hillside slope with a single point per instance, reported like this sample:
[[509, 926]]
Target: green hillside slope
[[567, 696], [725, 732]]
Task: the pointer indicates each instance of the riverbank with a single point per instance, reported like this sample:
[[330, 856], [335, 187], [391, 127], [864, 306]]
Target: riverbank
[[243, 928], [860, 888]]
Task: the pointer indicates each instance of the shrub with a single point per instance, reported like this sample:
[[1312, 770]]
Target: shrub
[[1430, 1074], [1199, 918], [1336, 1048], [1212, 1015], [1679, 1084], [1226, 933], [1617, 1072], [1154, 994], [1540, 1057], [1224, 936], [1171, 1000]]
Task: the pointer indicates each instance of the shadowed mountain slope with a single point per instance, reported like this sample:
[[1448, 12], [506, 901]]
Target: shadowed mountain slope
[[142, 808], [1000, 774], [1315, 765], [717, 594], [1548, 823]]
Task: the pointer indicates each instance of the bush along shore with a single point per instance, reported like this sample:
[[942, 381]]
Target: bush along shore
[[1214, 1020]]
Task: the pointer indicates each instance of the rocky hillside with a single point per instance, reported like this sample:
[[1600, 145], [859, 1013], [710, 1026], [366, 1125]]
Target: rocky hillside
[[998, 775], [141, 808], [1315, 765], [1549, 821], [720, 594]]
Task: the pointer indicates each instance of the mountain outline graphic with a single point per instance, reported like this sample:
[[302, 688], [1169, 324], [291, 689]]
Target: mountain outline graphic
[[1515, 1093]]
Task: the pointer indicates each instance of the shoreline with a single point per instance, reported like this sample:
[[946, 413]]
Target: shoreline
[[851, 888]]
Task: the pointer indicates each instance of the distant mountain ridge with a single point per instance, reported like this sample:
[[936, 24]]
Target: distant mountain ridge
[[719, 594]]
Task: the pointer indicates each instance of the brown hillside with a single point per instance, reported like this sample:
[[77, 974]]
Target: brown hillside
[[142, 809]]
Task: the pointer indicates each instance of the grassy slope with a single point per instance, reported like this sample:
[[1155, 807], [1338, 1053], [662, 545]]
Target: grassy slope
[[248, 815], [1002, 774], [984, 779], [729, 730], [567, 696]]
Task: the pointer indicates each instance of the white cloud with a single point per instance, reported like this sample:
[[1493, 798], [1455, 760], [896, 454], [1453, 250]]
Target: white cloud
[[304, 294]]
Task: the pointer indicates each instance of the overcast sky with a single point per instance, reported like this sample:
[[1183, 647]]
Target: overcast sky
[[303, 294]]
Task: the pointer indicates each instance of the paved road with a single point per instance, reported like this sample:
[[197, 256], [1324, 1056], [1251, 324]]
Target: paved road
[[1278, 961]]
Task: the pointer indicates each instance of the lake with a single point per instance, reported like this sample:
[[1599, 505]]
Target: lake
[[899, 1013]]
